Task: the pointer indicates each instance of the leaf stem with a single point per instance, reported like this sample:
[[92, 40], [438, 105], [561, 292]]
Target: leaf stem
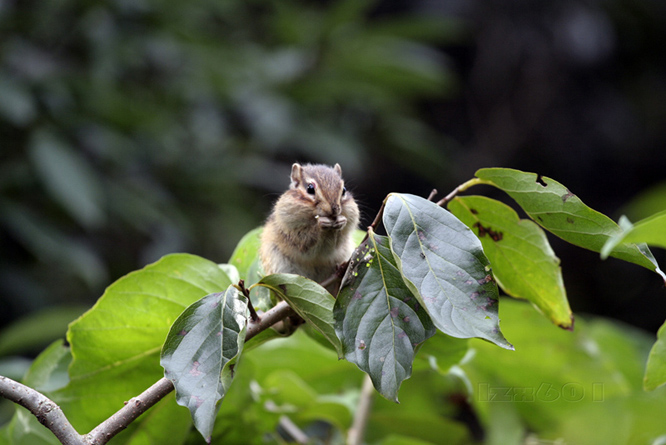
[[253, 313], [375, 222], [461, 188]]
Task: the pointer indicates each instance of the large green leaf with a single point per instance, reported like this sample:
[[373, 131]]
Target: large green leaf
[[443, 261], [524, 264], [116, 344], [559, 211], [311, 301], [655, 374], [650, 231], [378, 319], [200, 350]]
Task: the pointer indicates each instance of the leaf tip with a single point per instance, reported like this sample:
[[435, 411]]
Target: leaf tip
[[568, 326]]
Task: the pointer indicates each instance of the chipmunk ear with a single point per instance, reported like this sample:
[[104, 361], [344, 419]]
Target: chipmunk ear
[[296, 174], [338, 169]]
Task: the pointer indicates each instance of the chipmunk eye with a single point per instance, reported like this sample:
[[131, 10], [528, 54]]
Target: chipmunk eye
[[311, 189], [344, 191]]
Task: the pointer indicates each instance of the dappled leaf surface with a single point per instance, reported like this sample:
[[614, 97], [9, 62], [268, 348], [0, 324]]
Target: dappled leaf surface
[[559, 211], [378, 319], [443, 261], [198, 353], [116, 344], [524, 264]]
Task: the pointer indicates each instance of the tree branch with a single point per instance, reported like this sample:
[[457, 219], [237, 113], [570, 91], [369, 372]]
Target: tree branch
[[44, 409], [51, 416], [127, 414], [357, 430]]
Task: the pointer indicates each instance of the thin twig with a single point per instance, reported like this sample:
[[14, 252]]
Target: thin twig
[[431, 196], [253, 313], [375, 222], [461, 188], [293, 430], [357, 430]]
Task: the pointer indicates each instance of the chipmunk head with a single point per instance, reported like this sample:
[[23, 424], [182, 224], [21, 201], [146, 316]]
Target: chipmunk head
[[324, 188]]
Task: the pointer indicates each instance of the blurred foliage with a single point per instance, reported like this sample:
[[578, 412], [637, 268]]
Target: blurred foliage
[[133, 129]]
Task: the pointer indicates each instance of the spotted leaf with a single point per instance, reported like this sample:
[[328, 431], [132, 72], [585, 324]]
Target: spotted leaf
[[443, 263], [199, 353], [378, 319]]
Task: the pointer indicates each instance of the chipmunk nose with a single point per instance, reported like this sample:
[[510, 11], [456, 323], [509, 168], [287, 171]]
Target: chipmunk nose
[[335, 210]]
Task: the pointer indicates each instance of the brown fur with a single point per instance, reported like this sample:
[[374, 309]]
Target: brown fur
[[310, 234]]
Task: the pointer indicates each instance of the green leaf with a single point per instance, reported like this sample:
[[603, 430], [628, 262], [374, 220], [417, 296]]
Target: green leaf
[[49, 370], [524, 264], [444, 264], [246, 255], [378, 319], [646, 202], [562, 382], [443, 352], [200, 351], [655, 373], [561, 212], [246, 259], [650, 231], [311, 301], [116, 344]]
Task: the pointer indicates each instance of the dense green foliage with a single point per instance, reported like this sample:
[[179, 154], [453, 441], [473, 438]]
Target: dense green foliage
[[429, 271]]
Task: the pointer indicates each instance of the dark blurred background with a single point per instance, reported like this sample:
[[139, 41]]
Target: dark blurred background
[[130, 129]]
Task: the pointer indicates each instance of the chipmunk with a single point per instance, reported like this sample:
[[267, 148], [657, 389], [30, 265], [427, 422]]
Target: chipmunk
[[309, 232]]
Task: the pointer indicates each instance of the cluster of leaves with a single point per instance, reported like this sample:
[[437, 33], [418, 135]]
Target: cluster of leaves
[[428, 273]]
